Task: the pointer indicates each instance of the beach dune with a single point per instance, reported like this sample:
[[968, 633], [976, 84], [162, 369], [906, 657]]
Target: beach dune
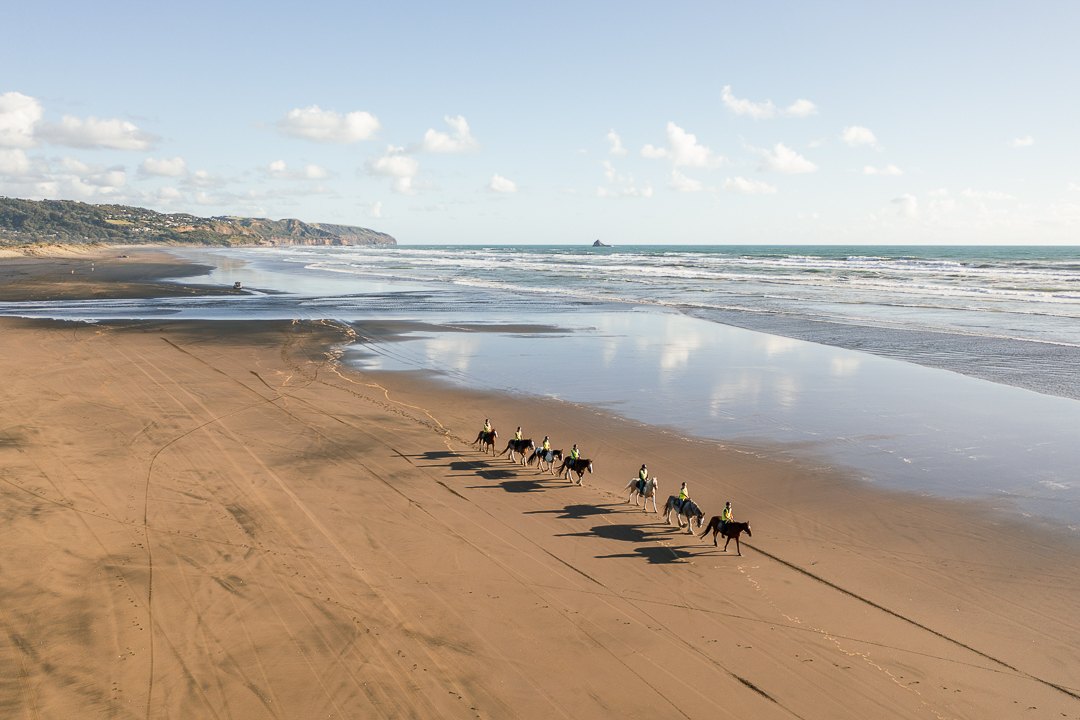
[[218, 519]]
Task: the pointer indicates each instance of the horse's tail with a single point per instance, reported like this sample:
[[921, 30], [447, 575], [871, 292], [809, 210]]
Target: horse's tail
[[714, 523]]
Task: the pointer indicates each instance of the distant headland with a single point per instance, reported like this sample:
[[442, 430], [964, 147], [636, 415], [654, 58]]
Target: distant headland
[[599, 244], [24, 222]]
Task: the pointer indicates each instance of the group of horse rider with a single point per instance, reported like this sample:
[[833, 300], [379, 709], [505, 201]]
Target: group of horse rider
[[643, 475], [575, 454]]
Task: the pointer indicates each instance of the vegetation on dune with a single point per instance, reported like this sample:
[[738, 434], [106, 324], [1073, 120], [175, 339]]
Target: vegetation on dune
[[25, 222]]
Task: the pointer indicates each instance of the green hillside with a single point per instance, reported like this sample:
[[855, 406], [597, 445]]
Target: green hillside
[[64, 221]]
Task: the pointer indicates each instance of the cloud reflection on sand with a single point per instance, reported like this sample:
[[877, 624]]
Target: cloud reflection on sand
[[892, 422]]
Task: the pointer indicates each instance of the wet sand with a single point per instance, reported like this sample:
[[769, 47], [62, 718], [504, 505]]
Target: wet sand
[[218, 519]]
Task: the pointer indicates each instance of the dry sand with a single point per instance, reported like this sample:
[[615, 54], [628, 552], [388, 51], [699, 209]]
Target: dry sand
[[219, 520]]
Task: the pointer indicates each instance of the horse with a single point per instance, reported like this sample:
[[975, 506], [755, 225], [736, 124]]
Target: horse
[[542, 457], [645, 489], [518, 446], [731, 531], [683, 508], [578, 465], [486, 440]]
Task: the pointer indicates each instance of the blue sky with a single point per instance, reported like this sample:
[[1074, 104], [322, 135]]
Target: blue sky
[[499, 123]]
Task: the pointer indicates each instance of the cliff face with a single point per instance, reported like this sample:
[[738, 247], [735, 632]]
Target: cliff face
[[29, 221]]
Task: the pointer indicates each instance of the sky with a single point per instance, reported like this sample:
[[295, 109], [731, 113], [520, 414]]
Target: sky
[[562, 123]]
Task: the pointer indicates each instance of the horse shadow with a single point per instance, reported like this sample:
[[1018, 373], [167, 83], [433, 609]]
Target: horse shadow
[[574, 512], [436, 455], [655, 554]]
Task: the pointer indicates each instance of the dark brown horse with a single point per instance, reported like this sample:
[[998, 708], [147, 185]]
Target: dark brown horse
[[518, 446], [731, 531], [486, 440], [579, 466]]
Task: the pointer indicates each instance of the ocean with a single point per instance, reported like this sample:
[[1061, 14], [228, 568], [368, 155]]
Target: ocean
[[942, 371]]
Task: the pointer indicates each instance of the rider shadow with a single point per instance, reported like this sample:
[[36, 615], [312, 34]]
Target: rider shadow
[[655, 554], [574, 512], [436, 455]]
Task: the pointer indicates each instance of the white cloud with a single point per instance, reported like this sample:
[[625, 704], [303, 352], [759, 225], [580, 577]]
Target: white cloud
[[375, 211], [404, 186], [755, 110], [817, 143], [500, 184], [1026, 141], [785, 160], [278, 169], [857, 135], [614, 177], [93, 133], [204, 178], [989, 195], [97, 175], [747, 187], [1074, 187], [683, 150], [644, 192], [801, 108], [21, 125], [940, 192], [765, 110], [395, 163], [165, 167], [909, 205], [616, 143], [887, 170], [18, 115], [327, 126], [14, 163], [168, 193], [461, 142], [681, 183]]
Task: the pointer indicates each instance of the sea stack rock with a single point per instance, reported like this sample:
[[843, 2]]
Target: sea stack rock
[[599, 244]]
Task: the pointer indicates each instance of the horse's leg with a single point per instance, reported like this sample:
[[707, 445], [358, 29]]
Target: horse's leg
[[715, 532], [727, 541]]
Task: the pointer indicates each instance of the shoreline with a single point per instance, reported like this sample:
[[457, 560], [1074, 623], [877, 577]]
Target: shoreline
[[273, 532]]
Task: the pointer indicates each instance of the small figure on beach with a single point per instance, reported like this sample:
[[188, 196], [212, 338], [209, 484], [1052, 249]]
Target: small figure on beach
[[643, 473], [547, 443], [725, 517], [517, 435], [575, 454], [487, 425], [684, 493]]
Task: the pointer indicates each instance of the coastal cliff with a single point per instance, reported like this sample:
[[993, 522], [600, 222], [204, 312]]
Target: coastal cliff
[[24, 222]]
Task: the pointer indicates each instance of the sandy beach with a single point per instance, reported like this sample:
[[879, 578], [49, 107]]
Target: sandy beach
[[220, 519]]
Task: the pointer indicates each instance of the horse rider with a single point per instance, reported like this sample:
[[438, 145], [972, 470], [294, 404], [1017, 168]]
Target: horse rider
[[547, 444], [725, 517], [643, 477], [575, 454], [517, 435], [684, 495], [487, 426]]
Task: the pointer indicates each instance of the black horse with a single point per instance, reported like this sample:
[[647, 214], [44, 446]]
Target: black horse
[[730, 530], [578, 465]]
